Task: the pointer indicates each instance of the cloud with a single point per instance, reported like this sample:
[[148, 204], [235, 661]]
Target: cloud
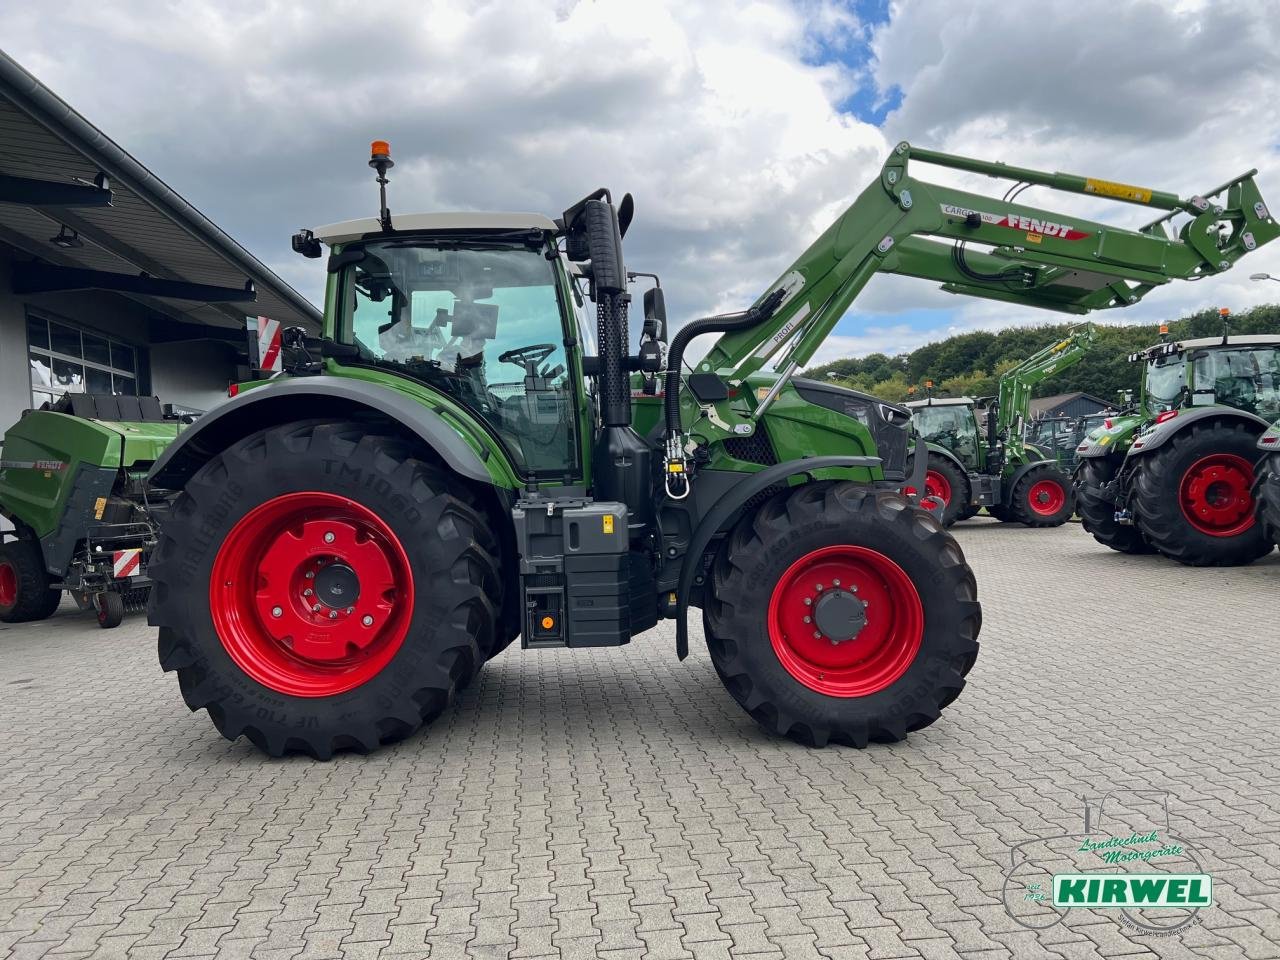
[[718, 119], [724, 119]]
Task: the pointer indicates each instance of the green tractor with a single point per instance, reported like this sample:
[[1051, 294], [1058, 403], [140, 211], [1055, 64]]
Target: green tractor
[[1266, 489], [970, 467], [1174, 473], [1056, 438], [457, 461], [73, 487]]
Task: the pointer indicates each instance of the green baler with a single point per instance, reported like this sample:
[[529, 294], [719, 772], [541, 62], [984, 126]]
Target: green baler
[[72, 486]]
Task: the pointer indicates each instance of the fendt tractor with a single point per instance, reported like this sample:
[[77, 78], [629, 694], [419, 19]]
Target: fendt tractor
[[456, 463], [73, 487], [1266, 488], [1174, 473], [970, 468], [1056, 438]]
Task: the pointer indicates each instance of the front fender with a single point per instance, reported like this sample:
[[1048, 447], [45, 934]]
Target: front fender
[[949, 455], [303, 398], [1270, 439], [716, 518], [1107, 441], [1158, 434]]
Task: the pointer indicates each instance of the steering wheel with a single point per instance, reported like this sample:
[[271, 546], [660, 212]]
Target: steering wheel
[[528, 357]]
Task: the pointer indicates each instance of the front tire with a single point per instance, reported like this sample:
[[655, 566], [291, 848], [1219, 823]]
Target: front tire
[[318, 588], [900, 603], [944, 480], [25, 594], [1098, 515], [1192, 496], [1042, 497]]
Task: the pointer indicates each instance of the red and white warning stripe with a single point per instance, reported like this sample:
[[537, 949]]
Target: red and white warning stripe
[[269, 345], [126, 563]]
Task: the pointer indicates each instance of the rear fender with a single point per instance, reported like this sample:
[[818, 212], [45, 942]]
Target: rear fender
[[1157, 434], [304, 398]]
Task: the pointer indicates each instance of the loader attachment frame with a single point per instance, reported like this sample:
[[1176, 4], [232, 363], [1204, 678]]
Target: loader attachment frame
[[1024, 255]]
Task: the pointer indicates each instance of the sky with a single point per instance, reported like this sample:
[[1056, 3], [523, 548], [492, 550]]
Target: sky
[[742, 129]]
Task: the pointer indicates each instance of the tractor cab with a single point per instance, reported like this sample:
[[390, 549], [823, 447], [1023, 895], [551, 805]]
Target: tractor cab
[[1242, 372], [952, 423]]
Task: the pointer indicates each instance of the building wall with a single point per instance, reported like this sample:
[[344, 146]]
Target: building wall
[[192, 374]]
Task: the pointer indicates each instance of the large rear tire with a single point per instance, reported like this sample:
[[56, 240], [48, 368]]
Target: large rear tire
[[887, 583], [1266, 492], [25, 594], [1097, 515], [318, 588], [1192, 496], [1042, 497]]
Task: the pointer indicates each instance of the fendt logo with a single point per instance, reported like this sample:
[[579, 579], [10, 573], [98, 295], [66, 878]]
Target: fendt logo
[[1015, 221], [1132, 890]]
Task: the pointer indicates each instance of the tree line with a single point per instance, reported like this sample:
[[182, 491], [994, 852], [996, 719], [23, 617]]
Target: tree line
[[970, 364]]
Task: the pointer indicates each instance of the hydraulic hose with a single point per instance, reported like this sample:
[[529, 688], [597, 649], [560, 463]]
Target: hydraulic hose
[[722, 323]]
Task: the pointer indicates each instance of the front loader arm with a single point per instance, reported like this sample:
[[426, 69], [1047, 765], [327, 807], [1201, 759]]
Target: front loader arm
[[1025, 255], [1014, 402]]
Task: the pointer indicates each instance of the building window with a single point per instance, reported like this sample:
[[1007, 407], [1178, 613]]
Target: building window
[[69, 359]]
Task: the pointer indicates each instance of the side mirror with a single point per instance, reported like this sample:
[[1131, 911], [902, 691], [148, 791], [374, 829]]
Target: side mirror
[[305, 243], [655, 314]]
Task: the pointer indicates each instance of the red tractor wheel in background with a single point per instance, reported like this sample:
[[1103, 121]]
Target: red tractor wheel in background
[[1042, 497], [1192, 498], [25, 593], [947, 483]]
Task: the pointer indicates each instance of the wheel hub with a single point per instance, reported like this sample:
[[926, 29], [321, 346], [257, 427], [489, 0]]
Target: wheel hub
[[839, 615], [1216, 497], [311, 594], [337, 585]]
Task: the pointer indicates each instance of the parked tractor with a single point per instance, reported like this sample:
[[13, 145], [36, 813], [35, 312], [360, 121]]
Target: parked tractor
[[72, 485], [970, 467], [1266, 488], [1056, 438], [456, 462], [1175, 473]]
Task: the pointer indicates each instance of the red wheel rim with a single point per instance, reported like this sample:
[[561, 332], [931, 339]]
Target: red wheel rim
[[878, 653], [1046, 497], [937, 485], [311, 594], [1215, 495], [8, 585]]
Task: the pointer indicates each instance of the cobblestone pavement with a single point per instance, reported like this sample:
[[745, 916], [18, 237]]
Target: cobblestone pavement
[[616, 803]]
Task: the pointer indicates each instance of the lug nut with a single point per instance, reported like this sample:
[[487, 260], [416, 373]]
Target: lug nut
[[315, 608], [310, 575], [277, 612], [307, 592], [367, 620], [806, 619], [808, 601], [818, 588], [333, 614], [351, 609], [835, 583], [328, 536], [817, 635]]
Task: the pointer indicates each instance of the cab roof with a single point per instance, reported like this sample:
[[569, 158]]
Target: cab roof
[[1243, 340], [348, 230], [942, 402]]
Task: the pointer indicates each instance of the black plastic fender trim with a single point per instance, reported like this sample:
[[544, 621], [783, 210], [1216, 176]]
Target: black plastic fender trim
[[724, 508], [301, 398]]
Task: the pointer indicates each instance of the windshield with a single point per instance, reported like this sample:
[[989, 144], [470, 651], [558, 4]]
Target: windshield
[[1245, 378], [1165, 380], [481, 322]]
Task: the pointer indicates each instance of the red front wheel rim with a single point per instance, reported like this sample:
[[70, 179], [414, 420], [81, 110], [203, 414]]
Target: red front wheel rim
[[8, 585], [937, 485], [1046, 497], [311, 594], [877, 653], [1215, 495]]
